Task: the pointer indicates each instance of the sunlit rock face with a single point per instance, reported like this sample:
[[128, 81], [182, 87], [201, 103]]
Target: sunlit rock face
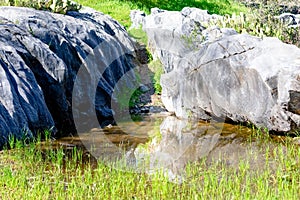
[[57, 68], [214, 72]]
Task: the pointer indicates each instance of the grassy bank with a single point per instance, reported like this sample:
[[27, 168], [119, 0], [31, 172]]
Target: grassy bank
[[120, 9], [41, 171]]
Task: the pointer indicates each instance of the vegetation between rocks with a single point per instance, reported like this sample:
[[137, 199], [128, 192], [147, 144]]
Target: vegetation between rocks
[[157, 68]]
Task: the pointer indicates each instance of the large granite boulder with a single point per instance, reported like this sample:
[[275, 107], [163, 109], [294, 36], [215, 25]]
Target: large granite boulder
[[212, 72], [44, 56]]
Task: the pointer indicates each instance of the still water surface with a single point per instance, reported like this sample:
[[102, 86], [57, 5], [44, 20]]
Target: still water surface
[[161, 142]]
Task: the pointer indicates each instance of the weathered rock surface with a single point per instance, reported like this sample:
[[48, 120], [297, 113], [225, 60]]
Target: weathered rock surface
[[41, 54], [22, 104], [212, 72]]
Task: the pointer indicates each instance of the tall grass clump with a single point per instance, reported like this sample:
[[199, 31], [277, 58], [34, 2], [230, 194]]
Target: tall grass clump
[[262, 22], [57, 6]]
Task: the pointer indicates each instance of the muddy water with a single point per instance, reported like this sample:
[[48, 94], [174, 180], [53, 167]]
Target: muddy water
[[165, 142]]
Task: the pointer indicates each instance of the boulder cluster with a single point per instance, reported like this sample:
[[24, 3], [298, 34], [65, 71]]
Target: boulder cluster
[[213, 72]]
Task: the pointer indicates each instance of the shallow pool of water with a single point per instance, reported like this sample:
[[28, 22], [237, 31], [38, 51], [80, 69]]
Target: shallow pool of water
[[165, 142]]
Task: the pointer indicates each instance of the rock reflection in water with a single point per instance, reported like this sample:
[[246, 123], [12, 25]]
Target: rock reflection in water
[[150, 145], [183, 142]]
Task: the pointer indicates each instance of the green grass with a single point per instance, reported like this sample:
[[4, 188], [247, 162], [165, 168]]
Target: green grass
[[120, 9], [40, 171], [139, 35], [156, 67]]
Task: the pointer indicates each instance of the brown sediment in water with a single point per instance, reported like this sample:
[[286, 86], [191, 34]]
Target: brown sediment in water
[[169, 143]]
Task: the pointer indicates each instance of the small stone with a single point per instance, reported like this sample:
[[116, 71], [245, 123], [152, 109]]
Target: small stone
[[144, 88]]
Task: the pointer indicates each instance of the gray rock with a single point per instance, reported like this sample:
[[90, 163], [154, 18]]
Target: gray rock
[[22, 105], [144, 88], [289, 19], [74, 60], [138, 17], [212, 72]]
